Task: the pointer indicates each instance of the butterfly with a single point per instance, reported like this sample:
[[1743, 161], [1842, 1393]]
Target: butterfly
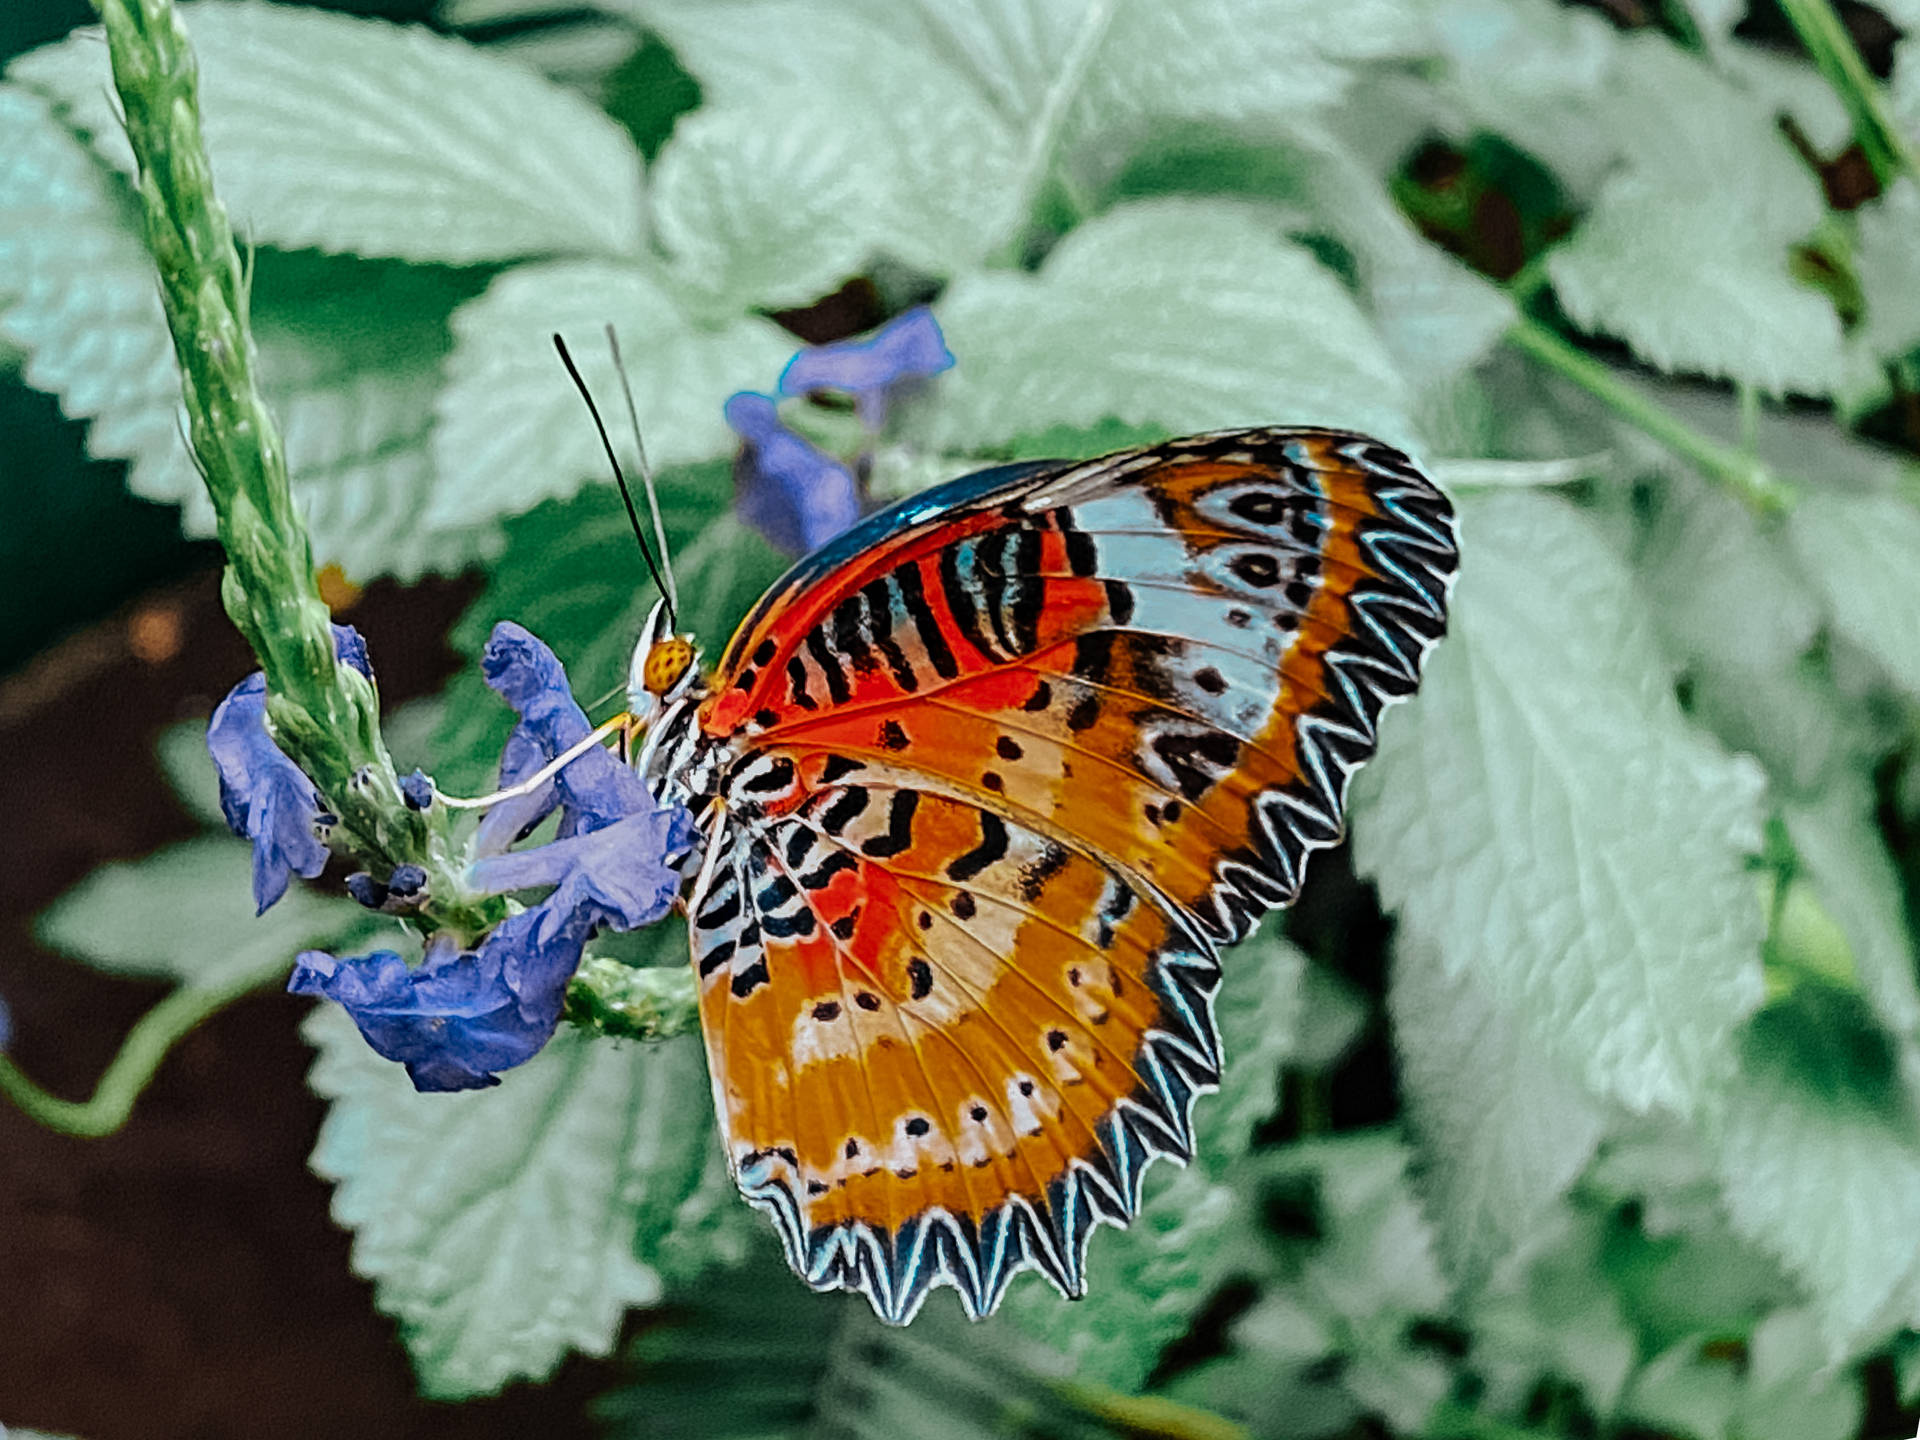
[[985, 788]]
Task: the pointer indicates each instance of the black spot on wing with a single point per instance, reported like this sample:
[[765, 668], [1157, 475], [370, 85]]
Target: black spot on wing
[[899, 834], [992, 847]]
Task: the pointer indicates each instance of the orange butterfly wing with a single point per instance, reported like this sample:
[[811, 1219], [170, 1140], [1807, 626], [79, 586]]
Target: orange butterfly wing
[[1008, 765]]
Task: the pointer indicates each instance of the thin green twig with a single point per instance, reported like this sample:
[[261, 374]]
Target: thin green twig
[[1875, 125], [323, 714], [1745, 474], [140, 1055]]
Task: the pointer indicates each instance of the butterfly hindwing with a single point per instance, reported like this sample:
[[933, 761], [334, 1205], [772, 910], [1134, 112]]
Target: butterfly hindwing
[[945, 1044], [1107, 709]]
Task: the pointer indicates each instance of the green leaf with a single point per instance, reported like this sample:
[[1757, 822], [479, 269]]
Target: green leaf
[[957, 115], [1685, 255], [510, 429], [350, 357], [1859, 551], [1534, 72], [504, 1227], [1545, 817], [1682, 1390], [1886, 261], [1551, 1314], [1787, 1390], [186, 914], [1818, 1154], [182, 752], [761, 1327], [1791, 1393], [1259, 1010], [1195, 1229], [1185, 314], [77, 293], [355, 135], [1351, 1296], [1503, 1130], [1840, 846], [758, 213]]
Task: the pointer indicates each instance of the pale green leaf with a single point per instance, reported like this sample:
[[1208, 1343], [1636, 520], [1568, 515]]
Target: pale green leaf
[[1187, 314], [1258, 1011], [1791, 1392], [350, 357], [1680, 1390], [1685, 255], [182, 752], [1886, 261], [771, 1336], [1717, 17], [1550, 1313], [1545, 817], [960, 112], [1861, 552], [1373, 1273], [346, 134], [1818, 1155], [759, 212], [1534, 72], [1194, 1229], [1435, 316], [504, 1227], [510, 430], [1904, 89], [78, 294], [186, 914], [1697, 283], [1725, 589], [1503, 1130], [1145, 1284], [1841, 849]]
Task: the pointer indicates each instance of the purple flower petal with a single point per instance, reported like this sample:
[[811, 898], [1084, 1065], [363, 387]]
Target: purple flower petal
[[618, 875], [594, 790], [788, 489], [462, 1015], [910, 347], [348, 645], [263, 794]]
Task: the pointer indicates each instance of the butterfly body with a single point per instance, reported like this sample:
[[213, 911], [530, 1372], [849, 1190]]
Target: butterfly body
[[988, 784]]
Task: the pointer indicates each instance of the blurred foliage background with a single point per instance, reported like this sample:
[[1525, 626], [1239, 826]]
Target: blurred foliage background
[[1576, 1099]]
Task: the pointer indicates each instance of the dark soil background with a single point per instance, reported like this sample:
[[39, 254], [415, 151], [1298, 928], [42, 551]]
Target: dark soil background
[[182, 1278]]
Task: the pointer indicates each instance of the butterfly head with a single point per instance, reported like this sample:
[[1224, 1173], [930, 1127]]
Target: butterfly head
[[665, 666]]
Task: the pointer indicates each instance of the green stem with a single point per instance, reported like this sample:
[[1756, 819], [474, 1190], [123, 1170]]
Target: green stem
[[326, 716], [146, 1045], [1743, 473], [1875, 125]]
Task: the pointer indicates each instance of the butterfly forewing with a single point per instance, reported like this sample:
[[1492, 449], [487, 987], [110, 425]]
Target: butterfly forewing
[[1008, 765]]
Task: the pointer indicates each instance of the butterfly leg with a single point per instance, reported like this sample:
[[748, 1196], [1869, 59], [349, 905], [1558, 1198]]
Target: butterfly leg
[[539, 777], [710, 861]]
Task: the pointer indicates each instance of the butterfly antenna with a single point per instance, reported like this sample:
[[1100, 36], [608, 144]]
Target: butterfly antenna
[[646, 470], [619, 475]]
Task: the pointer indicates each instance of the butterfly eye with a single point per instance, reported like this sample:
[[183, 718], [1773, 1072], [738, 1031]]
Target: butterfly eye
[[667, 662]]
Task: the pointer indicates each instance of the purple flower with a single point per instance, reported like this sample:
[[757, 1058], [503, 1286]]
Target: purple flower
[[464, 1015], [903, 350], [788, 489], [263, 794], [593, 791]]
